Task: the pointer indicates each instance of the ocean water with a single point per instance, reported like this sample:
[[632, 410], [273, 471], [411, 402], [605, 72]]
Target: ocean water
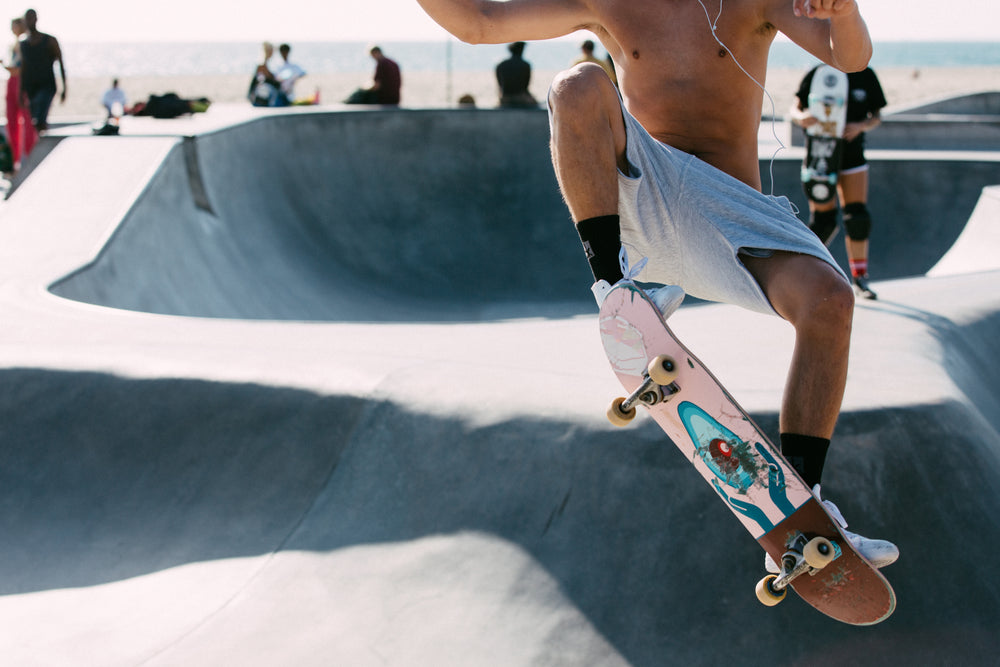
[[196, 59]]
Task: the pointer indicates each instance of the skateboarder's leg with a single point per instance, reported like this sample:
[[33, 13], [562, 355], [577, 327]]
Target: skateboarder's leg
[[854, 190], [812, 296], [588, 147], [819, 304], [588, 140], [588, 150], [857, 223]]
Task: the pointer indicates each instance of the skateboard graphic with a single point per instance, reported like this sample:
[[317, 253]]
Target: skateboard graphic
[[729, 451], [824, 139]]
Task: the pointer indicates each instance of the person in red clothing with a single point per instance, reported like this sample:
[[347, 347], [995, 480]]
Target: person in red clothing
[[21, 133], [388, 81]]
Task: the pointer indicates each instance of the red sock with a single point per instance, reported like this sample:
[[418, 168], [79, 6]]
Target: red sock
[[859, 267]]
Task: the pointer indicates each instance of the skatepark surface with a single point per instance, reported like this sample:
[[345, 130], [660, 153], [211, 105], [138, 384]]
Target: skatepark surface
[[326, 388]]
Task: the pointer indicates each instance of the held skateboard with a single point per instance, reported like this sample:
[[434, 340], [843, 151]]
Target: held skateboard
[[824, 139], [757, 484]]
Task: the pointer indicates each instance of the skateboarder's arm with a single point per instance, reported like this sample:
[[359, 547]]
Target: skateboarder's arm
[[832, 30], [494, 22]]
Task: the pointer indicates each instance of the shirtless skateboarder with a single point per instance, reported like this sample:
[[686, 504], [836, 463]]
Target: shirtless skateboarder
[[669, 170]]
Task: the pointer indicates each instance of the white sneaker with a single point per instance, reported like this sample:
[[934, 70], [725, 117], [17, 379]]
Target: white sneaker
[[600, 290], [878, 552], [667, 298]]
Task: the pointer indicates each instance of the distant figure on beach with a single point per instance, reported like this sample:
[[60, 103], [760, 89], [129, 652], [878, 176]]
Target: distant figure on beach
[[170, 105], [39, 53], [387, 82], [21, 135], [587, 56], [265, 89], [114, 100], [287, 73], [514, 77], [865, 99]]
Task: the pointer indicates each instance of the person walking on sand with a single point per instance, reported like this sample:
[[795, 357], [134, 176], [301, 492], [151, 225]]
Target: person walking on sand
[[865, 101], [668, 170], [21, 133], [39, 53]]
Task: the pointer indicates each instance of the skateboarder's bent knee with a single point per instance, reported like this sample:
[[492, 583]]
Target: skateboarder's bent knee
[[580, 93]]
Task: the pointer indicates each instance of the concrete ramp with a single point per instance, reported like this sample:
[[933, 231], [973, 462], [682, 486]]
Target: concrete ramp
[[272, 484], [277, 218], [978, 248], [473, 507]]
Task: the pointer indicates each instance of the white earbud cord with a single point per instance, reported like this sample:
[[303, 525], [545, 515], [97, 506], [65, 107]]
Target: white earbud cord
[[713, 25]]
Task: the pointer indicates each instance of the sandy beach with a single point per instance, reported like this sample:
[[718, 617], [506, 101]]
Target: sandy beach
[[903, 87]]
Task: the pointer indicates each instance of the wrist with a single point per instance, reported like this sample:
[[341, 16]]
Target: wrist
[[852, 45]]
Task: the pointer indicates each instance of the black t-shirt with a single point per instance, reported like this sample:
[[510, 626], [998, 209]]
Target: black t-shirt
[[513, 75], [864, 93], [390, 81], [36, 65]]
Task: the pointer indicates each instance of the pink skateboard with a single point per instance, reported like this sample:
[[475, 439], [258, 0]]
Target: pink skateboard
[[757, 484]]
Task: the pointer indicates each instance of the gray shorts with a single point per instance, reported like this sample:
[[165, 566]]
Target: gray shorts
[[693, 221]]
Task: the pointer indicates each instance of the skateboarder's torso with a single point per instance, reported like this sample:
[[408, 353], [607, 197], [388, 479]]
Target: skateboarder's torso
[[682, 85]]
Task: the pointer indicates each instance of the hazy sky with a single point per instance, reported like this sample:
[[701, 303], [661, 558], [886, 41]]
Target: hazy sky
[[400, 20]]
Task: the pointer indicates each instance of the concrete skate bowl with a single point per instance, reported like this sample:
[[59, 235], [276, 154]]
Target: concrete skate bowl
[[167, 521], [421, 215], [205, 491], [347, 216]]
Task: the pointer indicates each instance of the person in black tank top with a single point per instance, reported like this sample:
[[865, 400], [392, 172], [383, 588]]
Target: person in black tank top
[[39, 52]]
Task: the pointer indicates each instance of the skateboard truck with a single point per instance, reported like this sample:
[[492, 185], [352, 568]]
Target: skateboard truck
[[658, 385], [804, 555]]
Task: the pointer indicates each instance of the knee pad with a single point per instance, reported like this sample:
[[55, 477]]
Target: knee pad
[[824, 224], [857, 221]]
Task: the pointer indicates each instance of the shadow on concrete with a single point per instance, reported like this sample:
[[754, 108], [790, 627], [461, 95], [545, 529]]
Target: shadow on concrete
[[107, 478]]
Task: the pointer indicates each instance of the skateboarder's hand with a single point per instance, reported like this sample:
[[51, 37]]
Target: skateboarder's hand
[[823, 9]]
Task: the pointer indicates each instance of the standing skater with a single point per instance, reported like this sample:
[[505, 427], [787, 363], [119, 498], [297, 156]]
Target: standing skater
[[669, 170], [865, 100]]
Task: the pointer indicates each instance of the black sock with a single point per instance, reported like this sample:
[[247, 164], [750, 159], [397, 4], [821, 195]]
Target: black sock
[[601, 237], [806, 454]]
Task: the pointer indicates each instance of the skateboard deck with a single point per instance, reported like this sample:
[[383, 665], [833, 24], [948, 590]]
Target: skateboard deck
[[747, 472], [824, 140]]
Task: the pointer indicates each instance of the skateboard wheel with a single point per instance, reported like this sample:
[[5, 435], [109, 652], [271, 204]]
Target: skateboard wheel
[[819, 552], [620, 417], [766, 593], [662, 370]]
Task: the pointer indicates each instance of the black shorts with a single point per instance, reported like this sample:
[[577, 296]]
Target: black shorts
[[853, 156]]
